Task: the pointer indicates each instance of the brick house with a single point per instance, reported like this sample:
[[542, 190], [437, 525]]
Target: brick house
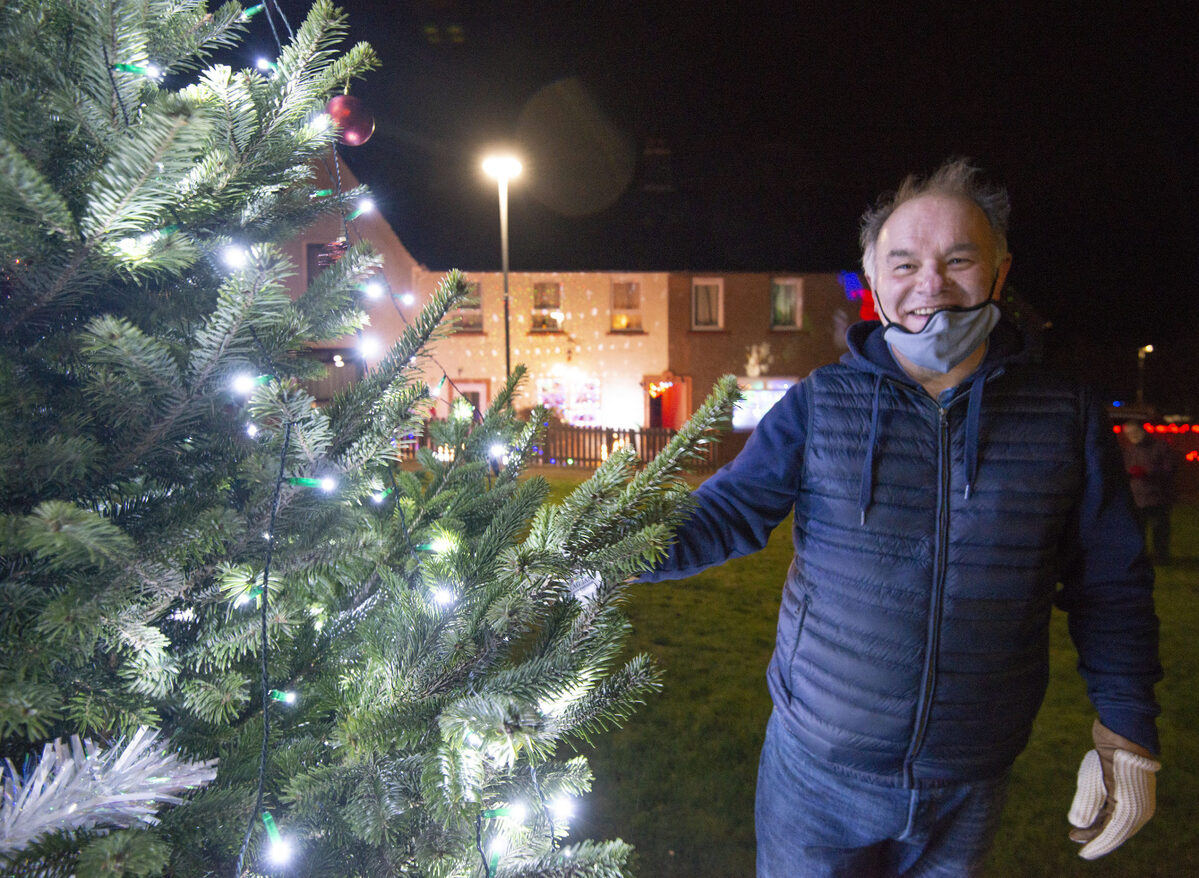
[[603, 348]]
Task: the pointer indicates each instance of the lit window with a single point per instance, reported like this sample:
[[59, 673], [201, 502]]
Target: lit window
[[468, 317], [707, 303], [547, 307], [757, 397], [786, 303], [574, 397], [626, 306]]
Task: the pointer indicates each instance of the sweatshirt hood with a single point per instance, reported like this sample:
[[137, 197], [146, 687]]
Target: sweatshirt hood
[[870, 353]]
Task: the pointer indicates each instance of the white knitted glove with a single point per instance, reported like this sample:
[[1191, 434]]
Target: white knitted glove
[[1116, 793]]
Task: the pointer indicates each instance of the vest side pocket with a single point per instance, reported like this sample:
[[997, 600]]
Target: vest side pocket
[[801, 616]]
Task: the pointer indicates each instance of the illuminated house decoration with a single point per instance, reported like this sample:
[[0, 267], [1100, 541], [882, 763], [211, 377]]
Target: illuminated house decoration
[[657, 388], [856, 291], [575, 396], [757, 396]]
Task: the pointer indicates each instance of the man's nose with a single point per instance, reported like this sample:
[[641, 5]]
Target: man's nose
[[931, 278]]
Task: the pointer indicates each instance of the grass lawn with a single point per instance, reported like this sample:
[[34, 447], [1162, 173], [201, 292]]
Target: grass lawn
[[678, 780]]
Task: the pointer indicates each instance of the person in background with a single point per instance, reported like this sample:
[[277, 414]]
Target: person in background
[[942, 488], [1152, 466]]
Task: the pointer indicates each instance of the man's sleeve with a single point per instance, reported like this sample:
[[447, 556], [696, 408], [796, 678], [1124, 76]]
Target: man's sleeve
[[738, 507], [1108, 593]]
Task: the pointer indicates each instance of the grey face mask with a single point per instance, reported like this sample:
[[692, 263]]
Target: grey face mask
[[949, 336]]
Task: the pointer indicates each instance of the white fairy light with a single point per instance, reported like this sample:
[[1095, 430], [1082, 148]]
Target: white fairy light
[[328, 484], [373, 289], [443, 597], [243, 384], [235, 256], [369, 346], [280, 851], [251, 430], [407, 299], [562, 807], [518, 812]]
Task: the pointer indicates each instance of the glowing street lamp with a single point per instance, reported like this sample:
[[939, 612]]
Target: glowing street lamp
[[503, 168], [1141, 352]]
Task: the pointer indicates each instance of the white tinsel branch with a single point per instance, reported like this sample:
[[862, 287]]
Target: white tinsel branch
[[81, 786]]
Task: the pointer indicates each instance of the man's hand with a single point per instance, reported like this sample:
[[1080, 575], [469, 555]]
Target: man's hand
[[1116, 793]]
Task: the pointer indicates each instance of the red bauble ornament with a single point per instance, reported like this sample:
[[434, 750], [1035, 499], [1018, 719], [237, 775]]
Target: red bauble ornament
[[331, 252], [352, 117]]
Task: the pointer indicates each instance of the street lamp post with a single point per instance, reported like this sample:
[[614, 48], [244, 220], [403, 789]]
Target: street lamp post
[[1141, 352], [503, 168]]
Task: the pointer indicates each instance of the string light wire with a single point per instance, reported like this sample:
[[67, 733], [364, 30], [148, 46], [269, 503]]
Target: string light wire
[[266, 687]]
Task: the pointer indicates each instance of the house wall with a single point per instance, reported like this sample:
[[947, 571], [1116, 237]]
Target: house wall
[[595, 374], [399, 268], [585, 354], [746, 343]]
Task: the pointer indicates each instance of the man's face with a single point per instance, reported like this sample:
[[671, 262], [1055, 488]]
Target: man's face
[[933, 252]]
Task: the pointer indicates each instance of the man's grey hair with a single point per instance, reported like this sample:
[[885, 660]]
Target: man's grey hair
[[957, 177]]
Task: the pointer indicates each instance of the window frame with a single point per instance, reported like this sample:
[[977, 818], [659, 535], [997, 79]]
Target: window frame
[[717, 282], [476, 310], [546, 313], [633, 326], [797, 321]]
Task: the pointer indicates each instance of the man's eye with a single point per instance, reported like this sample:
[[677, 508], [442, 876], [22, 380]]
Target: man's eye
[[959, 260]]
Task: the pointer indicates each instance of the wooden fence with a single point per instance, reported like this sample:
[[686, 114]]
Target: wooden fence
[[564, 445]]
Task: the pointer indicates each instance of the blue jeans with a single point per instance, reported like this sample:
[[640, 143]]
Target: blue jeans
[[814, 822]]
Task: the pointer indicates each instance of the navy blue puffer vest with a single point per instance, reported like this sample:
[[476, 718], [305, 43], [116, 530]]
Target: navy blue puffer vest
[[913, 637]]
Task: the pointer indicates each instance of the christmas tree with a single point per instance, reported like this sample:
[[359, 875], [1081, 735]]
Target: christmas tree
[[238, 634]]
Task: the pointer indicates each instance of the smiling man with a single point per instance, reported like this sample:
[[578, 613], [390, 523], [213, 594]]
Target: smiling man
[[946, 495]]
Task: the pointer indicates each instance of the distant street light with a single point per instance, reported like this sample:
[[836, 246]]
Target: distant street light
[[1141, 352], [503, 168]]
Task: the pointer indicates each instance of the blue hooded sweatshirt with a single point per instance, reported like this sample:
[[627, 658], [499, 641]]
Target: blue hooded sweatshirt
[[932, 539]]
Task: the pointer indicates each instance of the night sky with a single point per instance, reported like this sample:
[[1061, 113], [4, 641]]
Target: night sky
[[724, 137]]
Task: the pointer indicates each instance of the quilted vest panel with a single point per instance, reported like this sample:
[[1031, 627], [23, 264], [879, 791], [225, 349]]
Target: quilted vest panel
[[913, 648]]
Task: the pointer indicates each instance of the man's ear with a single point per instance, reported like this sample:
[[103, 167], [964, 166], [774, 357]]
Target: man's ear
[[1001, 276]]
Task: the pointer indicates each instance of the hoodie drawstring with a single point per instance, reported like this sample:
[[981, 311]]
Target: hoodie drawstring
[[866, 493], [969, 452]]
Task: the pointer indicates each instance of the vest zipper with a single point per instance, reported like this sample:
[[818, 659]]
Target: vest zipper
[[928, 679]]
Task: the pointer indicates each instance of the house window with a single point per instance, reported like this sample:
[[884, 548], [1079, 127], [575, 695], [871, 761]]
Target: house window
[[786, 303], [547, 307], [626, 306], [707, 303], [468, 317]]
